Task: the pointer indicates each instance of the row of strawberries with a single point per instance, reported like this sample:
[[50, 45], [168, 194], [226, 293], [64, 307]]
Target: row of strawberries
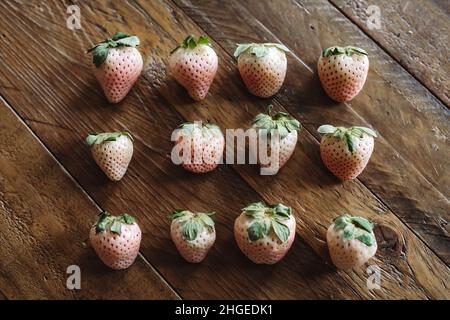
[[263, 232]]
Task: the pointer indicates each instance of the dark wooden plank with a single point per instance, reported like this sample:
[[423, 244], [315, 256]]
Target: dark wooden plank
[[316, 198], [415, 33], [44, 222], [153, 186], [408, 117], [316, 205], [390, 175]]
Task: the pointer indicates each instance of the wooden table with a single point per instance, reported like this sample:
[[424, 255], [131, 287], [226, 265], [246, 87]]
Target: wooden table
[[51, 190]]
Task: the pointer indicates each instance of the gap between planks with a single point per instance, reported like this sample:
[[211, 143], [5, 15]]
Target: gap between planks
[[275, 98], [38, 139], [349, 18]]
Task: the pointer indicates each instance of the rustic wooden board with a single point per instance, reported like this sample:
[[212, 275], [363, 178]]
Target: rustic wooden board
[[44, 222], [311, 200], [153, 186], [396, 184], [404, 25], [407, 116]]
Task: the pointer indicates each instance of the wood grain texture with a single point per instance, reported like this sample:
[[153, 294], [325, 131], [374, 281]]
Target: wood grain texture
[[317, 194], [153, 186], [415, 33], [389, 175], [45, 219], [413, 122]]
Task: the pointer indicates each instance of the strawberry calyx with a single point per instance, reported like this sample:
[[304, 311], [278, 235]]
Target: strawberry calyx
[[98, 138], [190, 43], [355, 228], [107, 222], [120, 39], [349, 50], [193, 223], [281, 121], [258, 49], [347, 134], [266, 218], [209, 130]]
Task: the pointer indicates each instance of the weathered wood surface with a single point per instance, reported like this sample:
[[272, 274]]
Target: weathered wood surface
[[415, 33], [44, 217], [54, 91], [397, 184], [153, 186]]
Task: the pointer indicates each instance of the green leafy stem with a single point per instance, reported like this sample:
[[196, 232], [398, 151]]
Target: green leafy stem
[[98, 138], [100, 51], [281, 121], [192, 224], [106, 222], [355, 228], [190, 43], [209, 130], [347, 134], [258, 49], [267, 218], [349, 50]]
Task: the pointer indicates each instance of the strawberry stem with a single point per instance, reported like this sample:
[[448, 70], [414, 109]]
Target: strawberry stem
[[281, 122], [98, 138], [258, 49], [190, 43], [193, 223], [347, 134], [355, 227], [267, 218], [101, 51], [108, 222], [349, 50]]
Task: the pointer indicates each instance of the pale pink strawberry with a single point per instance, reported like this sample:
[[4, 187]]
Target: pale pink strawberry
[[265, 233], [112, 151], [343, 72], [199, 147], [346, 151], [194, 65], [281, 133], [351, 241], [262, 67], [118, 65], [193, 234], [116, 240]]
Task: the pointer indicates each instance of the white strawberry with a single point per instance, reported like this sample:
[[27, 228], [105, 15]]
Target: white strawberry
[[118, 65], [346, 151], [194, 65], [282, 143], [265, 233], [116, 240], [199, 146], [193, 234], [112, 151], [262, 67], [351, 241], [343, 71]]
